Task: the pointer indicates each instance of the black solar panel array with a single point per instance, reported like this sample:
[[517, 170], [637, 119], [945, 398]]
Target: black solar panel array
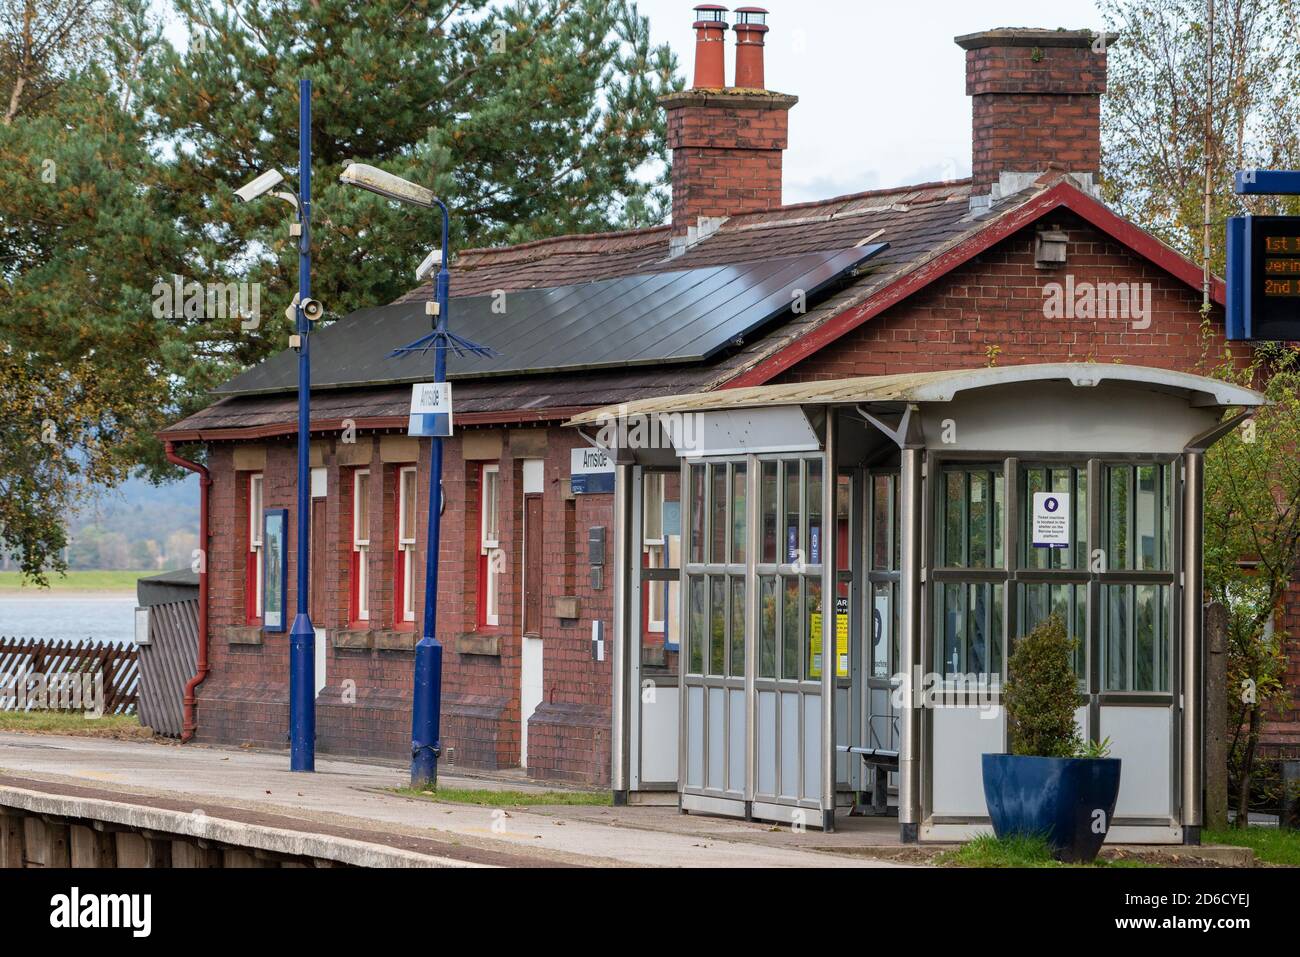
[[660, 318]]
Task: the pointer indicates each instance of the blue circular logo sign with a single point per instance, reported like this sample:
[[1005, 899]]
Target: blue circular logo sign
[[1051, 504]]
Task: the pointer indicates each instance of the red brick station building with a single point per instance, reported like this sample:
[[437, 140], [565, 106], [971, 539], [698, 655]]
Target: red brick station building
[[529, 559]]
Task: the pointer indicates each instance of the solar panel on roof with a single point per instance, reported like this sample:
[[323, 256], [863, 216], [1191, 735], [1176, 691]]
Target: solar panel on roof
[[683, 316]]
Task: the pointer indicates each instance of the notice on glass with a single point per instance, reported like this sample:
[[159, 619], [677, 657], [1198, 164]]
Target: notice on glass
[[1051, 525]]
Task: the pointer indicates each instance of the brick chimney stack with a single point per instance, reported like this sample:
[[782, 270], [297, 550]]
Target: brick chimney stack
[[1036, 107], [727, 142]]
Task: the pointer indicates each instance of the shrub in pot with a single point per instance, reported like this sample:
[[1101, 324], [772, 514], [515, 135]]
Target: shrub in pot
[[1052, 784]]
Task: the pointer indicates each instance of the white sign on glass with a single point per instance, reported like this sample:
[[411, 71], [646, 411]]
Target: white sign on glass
[[1051, 526]]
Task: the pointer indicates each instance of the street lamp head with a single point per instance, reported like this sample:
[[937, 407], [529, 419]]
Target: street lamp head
[[263, 184], [387, 185]]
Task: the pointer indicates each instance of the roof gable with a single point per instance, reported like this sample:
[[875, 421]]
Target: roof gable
[[1010, 219]]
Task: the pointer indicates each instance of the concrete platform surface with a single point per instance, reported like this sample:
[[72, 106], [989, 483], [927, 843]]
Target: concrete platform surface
[[351, 801]]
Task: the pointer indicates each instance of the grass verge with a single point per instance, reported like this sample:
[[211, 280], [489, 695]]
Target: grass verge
[[120, 726], [485, 797], [11, 583], [1270, 844], [989, 851]]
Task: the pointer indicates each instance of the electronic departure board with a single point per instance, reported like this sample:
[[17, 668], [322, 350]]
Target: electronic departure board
[[1264, 277]]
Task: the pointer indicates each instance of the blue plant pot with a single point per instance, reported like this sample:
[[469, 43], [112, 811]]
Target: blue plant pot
[[1068, 801]]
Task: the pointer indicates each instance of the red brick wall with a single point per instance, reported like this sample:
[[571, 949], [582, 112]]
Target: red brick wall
[[365, 706], [1034, 108], [995, 302], [237, 704]]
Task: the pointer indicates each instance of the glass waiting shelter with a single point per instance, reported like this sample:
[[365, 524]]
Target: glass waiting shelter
[[811, 573]]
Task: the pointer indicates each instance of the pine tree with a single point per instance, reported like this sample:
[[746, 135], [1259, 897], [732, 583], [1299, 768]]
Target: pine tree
[[534, 118], [119, 153]]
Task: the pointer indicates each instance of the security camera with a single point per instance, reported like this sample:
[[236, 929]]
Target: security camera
[[431, 262], [263, 184], [312, 309]]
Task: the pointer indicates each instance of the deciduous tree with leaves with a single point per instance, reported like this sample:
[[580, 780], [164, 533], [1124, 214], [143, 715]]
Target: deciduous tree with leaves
[[1177, 99], [1252, 545], [84, 376]]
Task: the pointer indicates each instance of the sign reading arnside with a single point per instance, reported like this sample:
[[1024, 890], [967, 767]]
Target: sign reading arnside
[[591, 472], [430, 410]]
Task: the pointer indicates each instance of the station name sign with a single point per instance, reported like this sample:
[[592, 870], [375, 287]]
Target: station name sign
[[591, 472], [431, 414]]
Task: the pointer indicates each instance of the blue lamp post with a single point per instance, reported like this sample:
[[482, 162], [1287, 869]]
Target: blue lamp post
[[426, 706], [302, 635]]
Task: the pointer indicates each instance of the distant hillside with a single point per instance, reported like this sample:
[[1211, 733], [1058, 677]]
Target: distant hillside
[[135, 526]]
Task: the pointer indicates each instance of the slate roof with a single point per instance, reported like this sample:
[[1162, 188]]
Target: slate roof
[[655, 319], [918, 223]]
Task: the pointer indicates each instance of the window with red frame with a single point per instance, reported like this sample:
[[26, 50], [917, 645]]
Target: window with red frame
[[254, 554], [490, 555], [360, 545], [404, 579]]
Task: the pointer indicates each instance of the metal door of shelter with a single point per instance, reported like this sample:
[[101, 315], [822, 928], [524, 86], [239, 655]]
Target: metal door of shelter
[[654, 631], [882, 652], [756, 659]]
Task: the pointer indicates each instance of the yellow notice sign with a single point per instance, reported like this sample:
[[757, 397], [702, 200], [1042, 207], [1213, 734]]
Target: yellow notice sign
[[815, 645]]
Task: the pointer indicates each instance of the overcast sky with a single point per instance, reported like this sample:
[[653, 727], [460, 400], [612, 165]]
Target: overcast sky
[[881, 85]]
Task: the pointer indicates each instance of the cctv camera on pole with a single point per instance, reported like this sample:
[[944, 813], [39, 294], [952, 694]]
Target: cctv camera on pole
[[260, 186], [426, 268]]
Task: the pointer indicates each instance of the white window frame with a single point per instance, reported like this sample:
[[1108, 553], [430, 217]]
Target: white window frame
[[655, 547], [490, 543], [406, 539], [361, 541], [256, 486]]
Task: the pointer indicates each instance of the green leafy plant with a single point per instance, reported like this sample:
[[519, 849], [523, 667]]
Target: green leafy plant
[[1093, 749], [1252, 548], [1042, 693]]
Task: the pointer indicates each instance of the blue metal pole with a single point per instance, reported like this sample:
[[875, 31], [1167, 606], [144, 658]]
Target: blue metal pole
[[302, 637], [426, 706]]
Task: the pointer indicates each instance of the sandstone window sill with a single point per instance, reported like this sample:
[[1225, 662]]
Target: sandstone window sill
[[476, 643], [352, 638], [394, 640], [244, 635]]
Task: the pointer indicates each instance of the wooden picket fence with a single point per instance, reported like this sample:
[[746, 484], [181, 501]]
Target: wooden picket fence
[[65, 665]]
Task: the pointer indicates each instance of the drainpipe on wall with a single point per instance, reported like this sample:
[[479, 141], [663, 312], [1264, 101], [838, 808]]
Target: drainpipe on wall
[[205, 486]]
